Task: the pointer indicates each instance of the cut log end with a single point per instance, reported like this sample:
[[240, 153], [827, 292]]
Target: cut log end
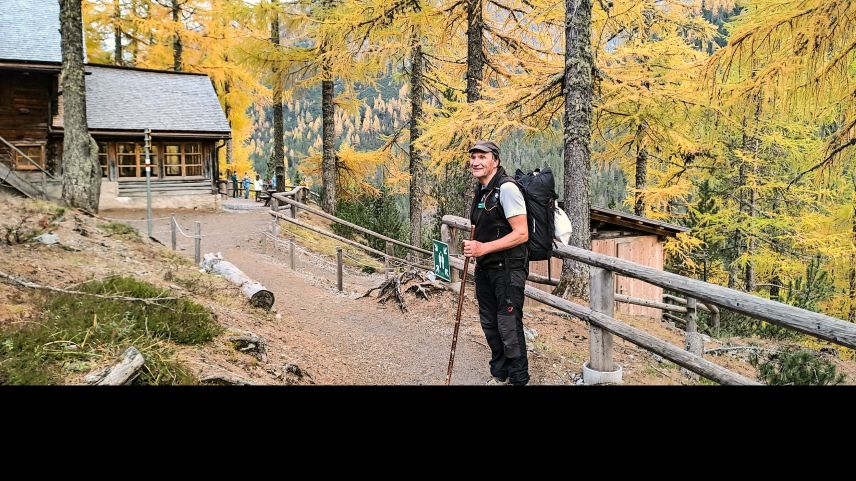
[[255, 292], [262, 299]]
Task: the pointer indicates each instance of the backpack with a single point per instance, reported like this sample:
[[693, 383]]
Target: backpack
[[539, 192]]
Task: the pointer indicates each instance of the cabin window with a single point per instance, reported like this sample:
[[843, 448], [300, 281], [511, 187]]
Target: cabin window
[[102, 158], [35, 152], [131, 159], [182, 159]]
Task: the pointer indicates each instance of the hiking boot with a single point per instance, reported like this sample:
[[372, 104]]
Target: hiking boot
[[495, 381]]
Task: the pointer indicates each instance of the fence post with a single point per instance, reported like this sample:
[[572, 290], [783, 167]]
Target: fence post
[[694, 342], [714, 318], [172, 229], [447, 235], [197, 243], [300, 197], [387, 261], [274, 203], [339, 268], [600, 369], [291, 252], [292, 209]]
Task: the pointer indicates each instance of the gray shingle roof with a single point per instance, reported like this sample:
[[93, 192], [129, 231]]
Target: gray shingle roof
[[124, 99], [29, 30]]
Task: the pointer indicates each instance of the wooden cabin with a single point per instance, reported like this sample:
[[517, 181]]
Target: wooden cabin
[[629, 237], [181, 111]]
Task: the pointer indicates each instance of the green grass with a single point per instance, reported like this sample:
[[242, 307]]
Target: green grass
[[77, 333], [120, 230]]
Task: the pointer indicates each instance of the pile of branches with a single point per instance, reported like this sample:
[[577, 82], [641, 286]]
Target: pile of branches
[[410, 281]]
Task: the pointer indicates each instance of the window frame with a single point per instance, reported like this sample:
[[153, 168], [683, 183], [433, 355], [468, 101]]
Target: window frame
[[21, 163]]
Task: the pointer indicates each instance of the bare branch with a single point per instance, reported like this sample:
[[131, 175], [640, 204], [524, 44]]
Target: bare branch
[[17, 281]]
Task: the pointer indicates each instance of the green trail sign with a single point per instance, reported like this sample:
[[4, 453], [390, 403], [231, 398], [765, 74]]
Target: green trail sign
[[441, 261]]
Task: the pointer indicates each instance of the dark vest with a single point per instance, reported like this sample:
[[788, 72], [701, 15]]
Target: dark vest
[[489, 218]]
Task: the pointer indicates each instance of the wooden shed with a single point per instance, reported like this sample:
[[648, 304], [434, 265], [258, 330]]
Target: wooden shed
[[180, 110], [629, 237]]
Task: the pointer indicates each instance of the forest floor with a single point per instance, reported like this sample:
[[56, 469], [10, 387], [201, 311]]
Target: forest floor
[[335, 338]]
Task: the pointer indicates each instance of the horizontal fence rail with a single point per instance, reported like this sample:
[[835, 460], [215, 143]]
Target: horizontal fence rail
[[808, 322], [302, 206], [636, 336], [323, 232]]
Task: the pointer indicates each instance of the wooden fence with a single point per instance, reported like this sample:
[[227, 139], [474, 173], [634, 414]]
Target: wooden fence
[[699, 296], [602, 325]]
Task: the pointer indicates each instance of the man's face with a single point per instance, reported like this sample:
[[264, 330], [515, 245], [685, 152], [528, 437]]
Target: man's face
[[482, 164]]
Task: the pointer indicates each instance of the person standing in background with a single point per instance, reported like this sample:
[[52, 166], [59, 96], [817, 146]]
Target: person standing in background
[[247, 183]]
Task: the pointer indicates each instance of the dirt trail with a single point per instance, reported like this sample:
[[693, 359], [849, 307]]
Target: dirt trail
[[335, 336]]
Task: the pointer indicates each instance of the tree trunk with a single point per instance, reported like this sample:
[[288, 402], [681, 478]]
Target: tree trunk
[[577, 121], [117, 34], [227, 89], [475, 54], [416, 175], [753, 143], [81, 180], [641, 178], [852, 316], [458, 180], [277, 155], [775, 290], [329, 167], [328, 156], [749, 273], [738, 238], [176, 42]]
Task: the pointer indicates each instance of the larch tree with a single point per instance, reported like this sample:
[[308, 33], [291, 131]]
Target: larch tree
[[277, 155], [787, 76], [578, 89], [81, 179], [397, 32]]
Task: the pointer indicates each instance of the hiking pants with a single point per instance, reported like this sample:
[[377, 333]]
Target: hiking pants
[[500, 296]]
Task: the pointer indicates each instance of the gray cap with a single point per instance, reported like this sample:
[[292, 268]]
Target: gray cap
[[485, 146]]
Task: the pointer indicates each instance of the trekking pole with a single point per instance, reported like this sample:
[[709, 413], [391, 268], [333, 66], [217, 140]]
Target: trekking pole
[[460, 306]]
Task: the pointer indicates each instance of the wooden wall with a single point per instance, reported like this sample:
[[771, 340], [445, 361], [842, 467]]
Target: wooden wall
[[25, 105], [645, 250]]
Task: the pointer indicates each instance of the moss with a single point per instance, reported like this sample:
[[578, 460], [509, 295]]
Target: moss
[[120, 230], [77, 333]]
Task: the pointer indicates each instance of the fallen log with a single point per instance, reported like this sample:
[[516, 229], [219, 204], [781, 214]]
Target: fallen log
[[121, 373], [258, 295]]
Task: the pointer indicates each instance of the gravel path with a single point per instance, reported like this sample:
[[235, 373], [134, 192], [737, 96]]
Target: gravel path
[[335, 336]]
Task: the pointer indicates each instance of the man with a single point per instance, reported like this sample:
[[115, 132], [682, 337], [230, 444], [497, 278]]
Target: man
[[234, 180], [502, 264]]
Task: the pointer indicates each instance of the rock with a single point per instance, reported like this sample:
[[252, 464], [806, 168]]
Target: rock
[[830, 350], [658, 358], [278, 317], [251, 344], [48, 239], [292, 374], [530, 334]]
